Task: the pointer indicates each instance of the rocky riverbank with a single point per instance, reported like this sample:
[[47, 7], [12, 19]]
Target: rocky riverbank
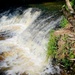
[[65, 53]]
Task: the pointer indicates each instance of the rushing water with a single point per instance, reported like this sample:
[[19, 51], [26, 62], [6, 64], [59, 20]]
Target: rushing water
[[23, 40]]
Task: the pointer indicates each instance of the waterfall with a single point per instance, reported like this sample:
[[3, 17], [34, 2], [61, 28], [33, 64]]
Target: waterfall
[[23, 40]]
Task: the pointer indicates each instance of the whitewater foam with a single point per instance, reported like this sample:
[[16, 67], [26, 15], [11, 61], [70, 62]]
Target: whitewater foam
[[23, 50]]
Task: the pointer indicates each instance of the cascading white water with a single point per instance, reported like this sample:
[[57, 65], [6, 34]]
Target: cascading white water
[[23, 49]]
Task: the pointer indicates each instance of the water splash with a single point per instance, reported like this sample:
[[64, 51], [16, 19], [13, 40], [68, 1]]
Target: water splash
[[23, 47]]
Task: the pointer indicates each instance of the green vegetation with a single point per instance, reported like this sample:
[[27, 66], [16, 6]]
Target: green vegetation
[[64, 52], [52, 45], [69, 54], [66, 63], [72, 2], [63, 22]]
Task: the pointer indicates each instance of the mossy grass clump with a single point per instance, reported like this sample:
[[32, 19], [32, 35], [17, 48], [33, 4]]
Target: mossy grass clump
[[52, 45], [63, 22]]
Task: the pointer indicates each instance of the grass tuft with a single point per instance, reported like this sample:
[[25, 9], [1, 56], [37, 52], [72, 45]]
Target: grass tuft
[[63, 22], [52, 45]]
